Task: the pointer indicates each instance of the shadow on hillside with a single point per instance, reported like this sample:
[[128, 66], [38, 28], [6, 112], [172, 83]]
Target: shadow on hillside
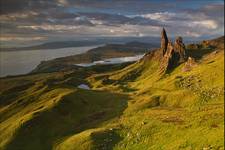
[[106, 139], [194, 53], [199, 53], [74, 113]]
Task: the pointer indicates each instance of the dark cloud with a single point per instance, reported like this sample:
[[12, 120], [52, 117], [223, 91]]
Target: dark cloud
[[13, 6], [124, 5], [76, 18], [115, 19]]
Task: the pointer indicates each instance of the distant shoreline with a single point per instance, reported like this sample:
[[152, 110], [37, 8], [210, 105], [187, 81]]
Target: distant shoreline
[[24, 61], [44, 48]]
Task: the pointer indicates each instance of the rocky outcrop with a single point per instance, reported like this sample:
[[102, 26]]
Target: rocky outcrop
[[169, 55], [180, 49], [164, 42], [172, 55], [189, 64], [169, 59], [159, 53]]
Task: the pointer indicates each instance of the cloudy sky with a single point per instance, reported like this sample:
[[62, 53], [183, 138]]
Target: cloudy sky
[[30, 21]]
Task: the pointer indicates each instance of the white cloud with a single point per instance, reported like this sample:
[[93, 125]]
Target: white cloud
[[16, 38], [63, 2], [99, 30], [210, 24], [48, 27], [96, 22], [15, 16], [192, 34], [160, 16], [181, 19], [112, 31]]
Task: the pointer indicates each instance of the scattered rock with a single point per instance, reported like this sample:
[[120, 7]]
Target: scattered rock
[[173, 120], [143, 123], [214, 126], [189, 64]]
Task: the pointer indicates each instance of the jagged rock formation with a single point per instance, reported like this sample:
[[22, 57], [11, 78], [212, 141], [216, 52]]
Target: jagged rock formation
[[169, 59], [164, 41], [172, 55], [168, 55], [158, 54]]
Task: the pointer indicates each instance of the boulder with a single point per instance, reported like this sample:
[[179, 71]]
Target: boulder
[[189, 64]]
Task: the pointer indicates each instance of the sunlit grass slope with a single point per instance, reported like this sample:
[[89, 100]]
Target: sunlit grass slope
[[180, 110], [128, 108], [39, 110]]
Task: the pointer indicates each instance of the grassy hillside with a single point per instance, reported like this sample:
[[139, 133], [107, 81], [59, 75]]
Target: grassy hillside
[[130, 107], [180, 110]]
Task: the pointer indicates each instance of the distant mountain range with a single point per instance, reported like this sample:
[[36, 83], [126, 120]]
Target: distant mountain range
[[82, 43], [89, 42], [54, 45]]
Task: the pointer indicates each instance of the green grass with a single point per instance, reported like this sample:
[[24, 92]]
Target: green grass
[[128, 108], [72, 113], [180, 110]]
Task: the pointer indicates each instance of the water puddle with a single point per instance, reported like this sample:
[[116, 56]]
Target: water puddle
[[83, 86]]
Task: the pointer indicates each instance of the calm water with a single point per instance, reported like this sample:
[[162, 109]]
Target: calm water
[[22, 62], [112, 61]]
